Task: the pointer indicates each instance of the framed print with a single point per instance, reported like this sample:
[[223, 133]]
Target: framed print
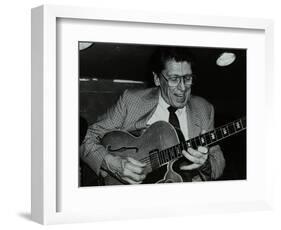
[[148, 102]]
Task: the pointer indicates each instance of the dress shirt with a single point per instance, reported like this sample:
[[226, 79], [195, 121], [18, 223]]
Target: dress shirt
[[162, 114]]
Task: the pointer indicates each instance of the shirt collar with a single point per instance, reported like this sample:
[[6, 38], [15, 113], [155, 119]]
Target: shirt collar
[[165, 105]]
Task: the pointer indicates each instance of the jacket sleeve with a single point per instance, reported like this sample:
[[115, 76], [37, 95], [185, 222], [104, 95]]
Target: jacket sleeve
[[216, 157], [91, 150]]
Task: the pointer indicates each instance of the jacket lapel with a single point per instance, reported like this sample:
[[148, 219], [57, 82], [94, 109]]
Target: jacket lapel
[[193, 120], [148, 107]]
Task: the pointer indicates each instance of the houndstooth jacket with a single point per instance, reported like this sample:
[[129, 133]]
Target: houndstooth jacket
[[132, 112]]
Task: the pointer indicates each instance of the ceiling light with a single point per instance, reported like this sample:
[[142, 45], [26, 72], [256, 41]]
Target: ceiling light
[[85, 45], [226, 59]]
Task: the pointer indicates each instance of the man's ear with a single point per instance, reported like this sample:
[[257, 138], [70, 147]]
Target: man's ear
[[156, 79]]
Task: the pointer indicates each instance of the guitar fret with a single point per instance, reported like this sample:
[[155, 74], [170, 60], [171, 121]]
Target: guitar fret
[[227, 130], [238, 125], [160, 157], [164, 157], [208, 138], [224, 131], [193, 143], [188, 144], [183, 145], [174, 152], [178, 150], [203, 140], [171, 152], [231, 128], [154, 159], [197, 141], [167, 155], [213, 136], [219, 134]]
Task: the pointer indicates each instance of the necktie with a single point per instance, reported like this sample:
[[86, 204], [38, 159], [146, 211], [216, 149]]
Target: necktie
[[174, 121]]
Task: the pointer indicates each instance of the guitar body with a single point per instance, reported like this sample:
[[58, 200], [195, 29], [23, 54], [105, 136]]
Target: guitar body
[[159, 147], [159, 136]]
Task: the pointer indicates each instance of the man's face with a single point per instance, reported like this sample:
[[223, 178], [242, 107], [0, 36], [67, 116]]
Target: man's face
[[176, 96]]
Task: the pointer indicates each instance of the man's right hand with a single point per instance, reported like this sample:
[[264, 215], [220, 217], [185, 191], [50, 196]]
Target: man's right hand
[[126, 168]]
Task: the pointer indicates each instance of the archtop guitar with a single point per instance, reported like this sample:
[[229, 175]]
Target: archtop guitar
[[160, 149]]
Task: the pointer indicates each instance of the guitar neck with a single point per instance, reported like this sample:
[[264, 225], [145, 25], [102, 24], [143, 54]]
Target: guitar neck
[[206, 139]]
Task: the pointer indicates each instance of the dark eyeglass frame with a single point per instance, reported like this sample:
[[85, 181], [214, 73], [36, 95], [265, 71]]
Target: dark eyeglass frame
[[175, 83]]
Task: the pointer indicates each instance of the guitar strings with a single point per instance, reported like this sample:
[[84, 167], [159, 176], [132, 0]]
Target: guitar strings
[[153, 156]]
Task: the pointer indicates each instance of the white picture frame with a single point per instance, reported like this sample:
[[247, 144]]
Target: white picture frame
[[45, 109]]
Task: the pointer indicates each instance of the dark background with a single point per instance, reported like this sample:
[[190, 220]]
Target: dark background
[[224, 87]]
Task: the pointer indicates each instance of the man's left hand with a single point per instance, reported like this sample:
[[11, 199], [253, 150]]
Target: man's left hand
[[197, 157]]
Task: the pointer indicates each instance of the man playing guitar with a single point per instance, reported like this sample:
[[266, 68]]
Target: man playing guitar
[[170, 101]]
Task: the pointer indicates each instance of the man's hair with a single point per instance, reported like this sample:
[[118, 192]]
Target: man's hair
[[164, 53]]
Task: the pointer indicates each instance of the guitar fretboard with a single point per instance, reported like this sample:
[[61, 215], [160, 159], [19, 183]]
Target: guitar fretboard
[[160, 158]]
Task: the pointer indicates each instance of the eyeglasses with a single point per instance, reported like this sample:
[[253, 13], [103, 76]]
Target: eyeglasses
[[174, 81]]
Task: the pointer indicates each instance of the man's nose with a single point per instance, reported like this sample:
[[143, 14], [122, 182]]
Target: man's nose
[[182, 85]]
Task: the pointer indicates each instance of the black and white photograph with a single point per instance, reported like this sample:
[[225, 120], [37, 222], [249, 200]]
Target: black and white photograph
[[153, 114]]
